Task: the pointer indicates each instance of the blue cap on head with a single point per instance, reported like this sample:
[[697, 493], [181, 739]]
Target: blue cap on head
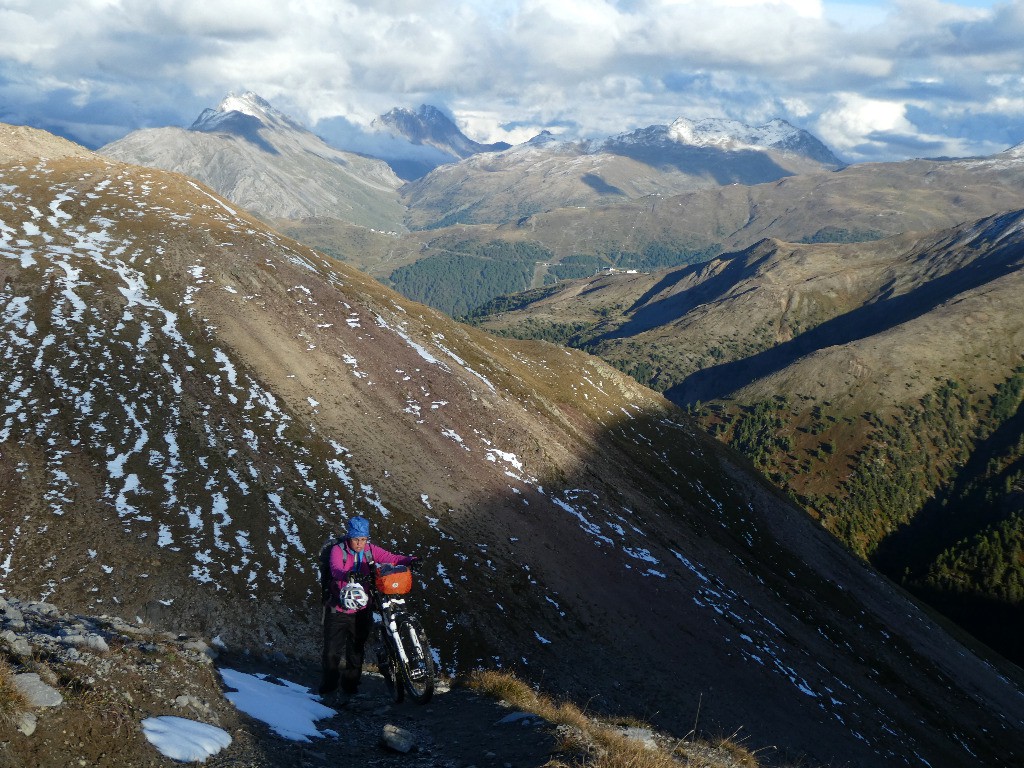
[[358, 527]]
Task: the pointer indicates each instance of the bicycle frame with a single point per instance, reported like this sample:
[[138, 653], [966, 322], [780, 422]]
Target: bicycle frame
[[392, 610], [407, 658]]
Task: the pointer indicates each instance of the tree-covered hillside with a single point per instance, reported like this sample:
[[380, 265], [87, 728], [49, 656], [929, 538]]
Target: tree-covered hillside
[[461, 278], [934, 498], [458, 282]]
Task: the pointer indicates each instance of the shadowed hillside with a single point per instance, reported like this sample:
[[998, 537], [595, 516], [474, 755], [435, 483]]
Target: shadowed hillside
[[872, 381], [196, 402]]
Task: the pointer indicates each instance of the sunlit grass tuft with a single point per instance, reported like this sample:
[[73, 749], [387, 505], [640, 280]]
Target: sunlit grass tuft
[[596, 743], [12, 700]]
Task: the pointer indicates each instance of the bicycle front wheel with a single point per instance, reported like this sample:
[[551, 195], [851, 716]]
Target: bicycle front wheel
[[418, 666], [388, 669]]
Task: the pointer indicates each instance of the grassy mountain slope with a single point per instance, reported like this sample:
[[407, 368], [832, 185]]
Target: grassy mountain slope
[[191, 403], [874, 381], [857, 204], [545, 174]]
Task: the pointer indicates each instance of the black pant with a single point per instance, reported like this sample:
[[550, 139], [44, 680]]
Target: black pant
[[345, 635]]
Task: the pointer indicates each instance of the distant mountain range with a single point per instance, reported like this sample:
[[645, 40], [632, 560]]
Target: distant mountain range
[[546, 174], [732, 135], [248, 151], [657, 197], [190, 403]]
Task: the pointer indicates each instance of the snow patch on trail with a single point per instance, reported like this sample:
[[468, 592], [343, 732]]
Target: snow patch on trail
[[291, 710], [184, 740]]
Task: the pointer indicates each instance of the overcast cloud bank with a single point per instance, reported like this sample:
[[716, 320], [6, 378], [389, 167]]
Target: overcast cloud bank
[[874, 81]]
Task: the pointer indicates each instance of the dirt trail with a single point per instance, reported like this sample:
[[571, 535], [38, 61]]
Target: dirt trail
[[457, 729]]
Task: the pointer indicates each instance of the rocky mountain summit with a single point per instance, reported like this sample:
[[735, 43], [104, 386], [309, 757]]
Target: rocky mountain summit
[[191, 404], [775, 134], [245, 115], [430, 126], [267, 163]]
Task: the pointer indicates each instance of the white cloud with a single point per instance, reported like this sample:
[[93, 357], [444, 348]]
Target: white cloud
[[808, 8], [798, 107], [853, 118], [569, 36], [487, 126], [947, 72], [867, 127]]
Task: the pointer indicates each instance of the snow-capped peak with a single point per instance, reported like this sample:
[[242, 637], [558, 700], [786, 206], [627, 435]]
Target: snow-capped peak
[[238, 109], [248, 103], [732, 134], [1016, 151]]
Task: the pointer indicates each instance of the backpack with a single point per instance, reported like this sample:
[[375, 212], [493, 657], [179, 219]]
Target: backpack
[[324, 562]]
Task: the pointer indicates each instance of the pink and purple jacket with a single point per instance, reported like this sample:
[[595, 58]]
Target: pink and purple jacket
[[344, 562]]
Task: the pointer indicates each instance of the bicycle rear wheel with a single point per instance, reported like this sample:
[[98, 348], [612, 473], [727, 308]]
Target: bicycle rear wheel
[[418, 668]]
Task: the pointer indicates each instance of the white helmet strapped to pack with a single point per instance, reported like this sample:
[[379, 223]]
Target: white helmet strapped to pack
[[354, 597]]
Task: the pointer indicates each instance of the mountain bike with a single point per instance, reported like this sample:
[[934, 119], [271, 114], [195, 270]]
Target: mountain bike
[[404, 657]]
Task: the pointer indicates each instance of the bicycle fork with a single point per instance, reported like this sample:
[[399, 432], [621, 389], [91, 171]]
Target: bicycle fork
[[391, 620]]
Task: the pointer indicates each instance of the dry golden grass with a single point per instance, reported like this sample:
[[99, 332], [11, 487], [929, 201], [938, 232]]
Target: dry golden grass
[[12, 700], [715, 753], [110, 708], [510, 689], [596, 743]]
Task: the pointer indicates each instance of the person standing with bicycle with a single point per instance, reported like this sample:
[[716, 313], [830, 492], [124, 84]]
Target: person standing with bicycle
[[348, 612]]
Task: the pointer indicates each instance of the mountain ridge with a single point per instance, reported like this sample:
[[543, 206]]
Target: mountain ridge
[[658, 159], [197, 402], [731, 134], [547, 173], [855, 204]]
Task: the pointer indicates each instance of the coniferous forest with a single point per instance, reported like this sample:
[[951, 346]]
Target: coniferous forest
[[935, 499]]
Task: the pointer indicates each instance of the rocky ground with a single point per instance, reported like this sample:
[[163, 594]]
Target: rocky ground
[[75, 690]]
